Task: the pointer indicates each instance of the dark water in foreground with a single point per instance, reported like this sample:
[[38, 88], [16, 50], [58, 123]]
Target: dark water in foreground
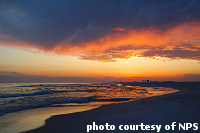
[[21, 96]]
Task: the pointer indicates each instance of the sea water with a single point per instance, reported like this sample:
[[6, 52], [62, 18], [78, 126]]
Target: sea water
[[21, 96], [26, 106]]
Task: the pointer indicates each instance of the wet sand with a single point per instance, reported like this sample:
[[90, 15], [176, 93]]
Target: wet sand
[[34, 118], [182, 106]]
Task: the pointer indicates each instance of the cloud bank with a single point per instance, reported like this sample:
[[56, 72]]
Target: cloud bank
[[104, 30], [16, 77]]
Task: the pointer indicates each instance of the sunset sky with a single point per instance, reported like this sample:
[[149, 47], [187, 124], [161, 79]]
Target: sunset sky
[[99, 40]]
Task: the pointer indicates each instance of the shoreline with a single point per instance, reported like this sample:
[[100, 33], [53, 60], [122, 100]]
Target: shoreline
[[26, 120], [182, 106], [29, 119]]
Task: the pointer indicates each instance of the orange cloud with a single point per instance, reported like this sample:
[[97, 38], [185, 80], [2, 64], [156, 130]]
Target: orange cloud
[[182, 41], [124, 45], [118, 29]]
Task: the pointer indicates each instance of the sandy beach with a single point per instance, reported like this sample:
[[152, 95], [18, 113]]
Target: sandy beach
[[181, 107], [33, 118]]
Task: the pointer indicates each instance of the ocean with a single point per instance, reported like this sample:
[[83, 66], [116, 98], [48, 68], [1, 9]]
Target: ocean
[[22, 96]]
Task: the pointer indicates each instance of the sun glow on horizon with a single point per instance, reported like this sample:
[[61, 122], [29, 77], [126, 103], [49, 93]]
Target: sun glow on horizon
[[26, 62], [124, 40]]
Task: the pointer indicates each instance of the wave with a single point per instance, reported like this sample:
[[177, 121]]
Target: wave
[[58, 85], [86, 90], [46, 103], [112, 100], [42, 92]]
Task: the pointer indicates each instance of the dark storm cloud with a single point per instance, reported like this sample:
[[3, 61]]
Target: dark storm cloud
[[48, 22]]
